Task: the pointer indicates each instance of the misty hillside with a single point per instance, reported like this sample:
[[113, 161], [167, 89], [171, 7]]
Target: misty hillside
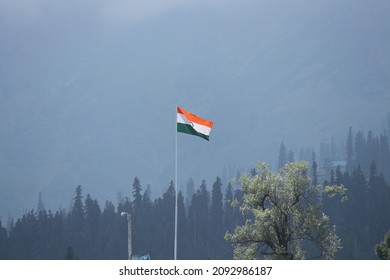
[[85, 100]]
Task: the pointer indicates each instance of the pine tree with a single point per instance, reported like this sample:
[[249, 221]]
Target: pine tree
[[360, 151], [216, 219], [198, 218], [125, 205], [373, 174], [147, 227], [111, 242], [290, 156], [76, 222], [190, 190], [228, 219], [182, 236], [69, 253], [3, 242], [339, 179], [40, 206], [282, 155], [332, 179], [314, 170], [349, 148], [137, 196], [93, 216], [77, 214], [385, 156], [203, 207], [165, 224]]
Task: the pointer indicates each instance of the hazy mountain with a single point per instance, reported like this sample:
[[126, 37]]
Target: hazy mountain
[[88, 93]]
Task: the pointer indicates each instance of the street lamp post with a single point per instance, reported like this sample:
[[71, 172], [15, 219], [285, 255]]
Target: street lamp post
[[130, 253]]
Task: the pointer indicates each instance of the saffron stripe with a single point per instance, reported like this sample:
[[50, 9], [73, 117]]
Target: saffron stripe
[[198, 127], [193, 118]]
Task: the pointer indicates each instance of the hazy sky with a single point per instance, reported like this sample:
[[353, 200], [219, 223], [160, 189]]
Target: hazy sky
[[25, 12], [79, 77]]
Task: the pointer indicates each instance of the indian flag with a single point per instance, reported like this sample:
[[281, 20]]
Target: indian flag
[[192, 124]]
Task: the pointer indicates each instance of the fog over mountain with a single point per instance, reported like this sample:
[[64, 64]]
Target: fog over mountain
[[88, 90]]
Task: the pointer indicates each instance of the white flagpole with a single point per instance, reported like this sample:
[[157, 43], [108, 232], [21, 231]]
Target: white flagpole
[[176, 191]]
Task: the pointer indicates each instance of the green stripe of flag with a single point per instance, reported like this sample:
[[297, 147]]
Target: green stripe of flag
[[186, 128]]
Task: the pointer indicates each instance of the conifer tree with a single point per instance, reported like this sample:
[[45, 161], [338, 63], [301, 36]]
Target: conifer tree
[[216, 219], [190, 190], [77, 214], [3, 242], [182, 236], [92, 218], [373, 174], [147, 222], [228, 212], [290, 156], [165, 225], [282, 155], [76, 224], [314, 170], [112, 242], [137, 196], [349, 148], [69, 253], [360, 151], [40, 206], [198, 217]]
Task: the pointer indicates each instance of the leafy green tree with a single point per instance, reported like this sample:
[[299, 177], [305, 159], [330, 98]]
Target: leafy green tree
[[228, 215], [382, 250], [238, 218], [228, 209], [284, 216]]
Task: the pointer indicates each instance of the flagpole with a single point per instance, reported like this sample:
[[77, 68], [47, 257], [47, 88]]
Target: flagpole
[[176, 190]]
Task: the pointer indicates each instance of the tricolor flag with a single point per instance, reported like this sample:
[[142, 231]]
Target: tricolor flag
[[191, 124]]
